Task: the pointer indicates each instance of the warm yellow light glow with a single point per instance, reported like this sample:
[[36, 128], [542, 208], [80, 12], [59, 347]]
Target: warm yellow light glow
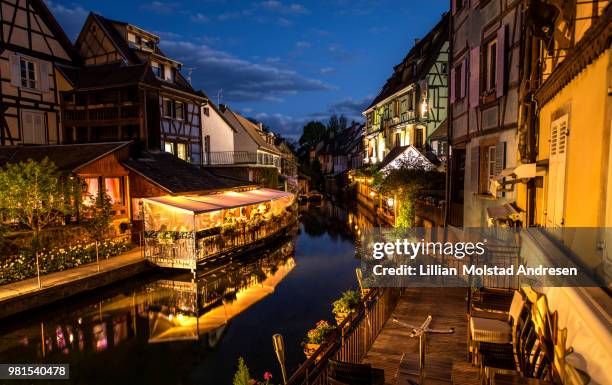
[[424, 108], [372, 194], [390, 202]]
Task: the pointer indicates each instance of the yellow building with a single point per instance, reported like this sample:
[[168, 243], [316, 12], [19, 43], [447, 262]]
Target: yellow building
[[573, 128]]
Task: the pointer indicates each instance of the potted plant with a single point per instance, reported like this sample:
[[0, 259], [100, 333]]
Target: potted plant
[[348, 302], [316, 337]]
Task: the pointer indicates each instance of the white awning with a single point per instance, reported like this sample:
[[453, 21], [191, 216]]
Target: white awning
[[199, 204]]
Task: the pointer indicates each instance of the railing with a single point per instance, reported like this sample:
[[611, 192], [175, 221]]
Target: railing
[[355, 336], [102, 113], [186, 250], [240, 157], [67, 256]]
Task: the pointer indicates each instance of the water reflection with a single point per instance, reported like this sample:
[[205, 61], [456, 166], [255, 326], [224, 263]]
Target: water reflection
[[180, 329], [202, 308]]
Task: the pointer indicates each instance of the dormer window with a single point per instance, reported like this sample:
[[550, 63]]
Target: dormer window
[[159, 70]]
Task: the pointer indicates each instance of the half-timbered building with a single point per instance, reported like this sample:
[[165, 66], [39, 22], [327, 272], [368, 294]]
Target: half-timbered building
[[33, 44], [129, 89], [484, 82], [414, 100]]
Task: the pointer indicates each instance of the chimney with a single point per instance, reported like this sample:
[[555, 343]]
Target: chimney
[[260, 124], [222, 107], [416, 41]]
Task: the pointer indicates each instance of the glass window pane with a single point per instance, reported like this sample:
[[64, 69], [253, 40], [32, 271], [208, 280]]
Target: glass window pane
[[114, 190], [181, 151], [168, 147], [92, 190]]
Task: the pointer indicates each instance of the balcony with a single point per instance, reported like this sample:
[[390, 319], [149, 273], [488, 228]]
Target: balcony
[[229, 158], [101, 115]]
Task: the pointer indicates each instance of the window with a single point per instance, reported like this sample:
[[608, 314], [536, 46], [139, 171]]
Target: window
[[444, 68], [181, 151], [34, 128], [159, 70], [418, 137], [91, 189], [29, 77], [169, 147], [179, 110], [114, 190], [491, 66], [207, 149], [168, 108], [458, 82]]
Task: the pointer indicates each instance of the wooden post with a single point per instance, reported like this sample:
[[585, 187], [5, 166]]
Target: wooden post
[[97, 257], [38, 271]]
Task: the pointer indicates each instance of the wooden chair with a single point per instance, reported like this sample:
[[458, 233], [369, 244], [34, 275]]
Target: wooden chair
[[485, 332], [354, 374]]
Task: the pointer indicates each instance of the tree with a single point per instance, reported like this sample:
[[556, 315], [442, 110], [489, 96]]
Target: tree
[[336, 125], [99, 216], [313, 133], [35, 195], [407, 182], [242, 375]]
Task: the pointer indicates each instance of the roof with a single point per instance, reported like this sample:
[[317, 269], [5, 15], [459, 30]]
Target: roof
[[178, 177], [55, 28], [408, 154], [108, 75], [115, 37], [424, 49], [441, 132], [241, 123], [67, 158], [200, 204], [132, 58]]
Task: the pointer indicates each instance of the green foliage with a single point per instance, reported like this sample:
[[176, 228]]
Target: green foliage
[[242, 376], [320, 333], [23, 266], [269, 177], [313, 133], [407, 182], [348, 302], [99, 216], [336, 125], [34, 195]]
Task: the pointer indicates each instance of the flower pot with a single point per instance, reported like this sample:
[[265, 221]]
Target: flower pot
[[310, 349], [340, 317]]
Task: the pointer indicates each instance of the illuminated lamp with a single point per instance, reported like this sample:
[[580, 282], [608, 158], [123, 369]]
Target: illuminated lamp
[[390, 202]]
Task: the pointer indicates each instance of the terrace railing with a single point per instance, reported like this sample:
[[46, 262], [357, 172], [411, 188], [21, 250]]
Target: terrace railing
[[355, 336], [221, 158]]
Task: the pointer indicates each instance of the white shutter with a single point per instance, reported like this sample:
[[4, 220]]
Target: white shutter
[[556, 172], [500, 157], [15, 62], [44, 76]]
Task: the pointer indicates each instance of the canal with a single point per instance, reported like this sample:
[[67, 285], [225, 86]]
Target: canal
[[172, 329]]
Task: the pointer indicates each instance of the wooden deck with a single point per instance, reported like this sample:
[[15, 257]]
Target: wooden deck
[[448, 309]]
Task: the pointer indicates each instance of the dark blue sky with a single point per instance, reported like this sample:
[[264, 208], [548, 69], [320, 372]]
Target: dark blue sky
[[283, 62]]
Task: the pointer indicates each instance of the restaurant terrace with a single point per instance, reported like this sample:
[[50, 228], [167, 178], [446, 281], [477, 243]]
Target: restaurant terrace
[[182, 231]]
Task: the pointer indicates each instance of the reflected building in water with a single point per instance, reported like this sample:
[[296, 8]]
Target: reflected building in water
[[164, 310]]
